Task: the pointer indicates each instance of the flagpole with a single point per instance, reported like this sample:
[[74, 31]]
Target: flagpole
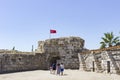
[[50, 34]]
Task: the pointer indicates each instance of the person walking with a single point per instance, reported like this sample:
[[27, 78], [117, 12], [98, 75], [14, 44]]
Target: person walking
[[58, 69], [54, 67], [61, 68]]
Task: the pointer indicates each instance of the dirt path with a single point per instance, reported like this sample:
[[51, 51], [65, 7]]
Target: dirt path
[[68, 75]]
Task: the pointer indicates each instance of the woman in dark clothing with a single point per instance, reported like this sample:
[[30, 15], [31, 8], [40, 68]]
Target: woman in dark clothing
[[54, 68]]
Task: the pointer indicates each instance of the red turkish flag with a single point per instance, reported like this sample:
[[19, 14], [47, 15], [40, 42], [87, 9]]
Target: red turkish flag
[[52, 31]]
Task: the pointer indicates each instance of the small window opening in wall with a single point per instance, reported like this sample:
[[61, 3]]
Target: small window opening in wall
[[19, 58]]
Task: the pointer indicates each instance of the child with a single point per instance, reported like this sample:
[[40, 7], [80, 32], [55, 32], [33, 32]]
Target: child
[[62, 68]]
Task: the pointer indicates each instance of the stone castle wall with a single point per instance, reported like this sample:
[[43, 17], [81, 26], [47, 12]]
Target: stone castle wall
[[57, 50], [107, 61], [68, 50], [21, 62], [62, 50]]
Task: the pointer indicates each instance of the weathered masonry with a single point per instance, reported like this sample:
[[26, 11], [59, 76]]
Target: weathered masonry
[[50, 51], [21, 61], [104, 60], [67, 50], [62, 50]]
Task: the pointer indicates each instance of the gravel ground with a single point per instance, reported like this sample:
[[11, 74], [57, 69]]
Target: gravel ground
[[68, 75]]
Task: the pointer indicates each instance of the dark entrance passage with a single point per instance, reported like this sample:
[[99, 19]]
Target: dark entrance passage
[[108, 66], [54, 60], [93, 64]]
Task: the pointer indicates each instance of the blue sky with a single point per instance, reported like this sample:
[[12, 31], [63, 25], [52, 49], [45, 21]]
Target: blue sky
[[24, 22]]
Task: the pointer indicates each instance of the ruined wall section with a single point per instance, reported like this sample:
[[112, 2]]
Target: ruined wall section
[[107, 60], [63, 50], [66, 49], [21, 62], [114, 58]]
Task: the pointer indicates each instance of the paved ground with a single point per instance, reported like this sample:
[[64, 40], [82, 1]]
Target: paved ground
[[68, 75]]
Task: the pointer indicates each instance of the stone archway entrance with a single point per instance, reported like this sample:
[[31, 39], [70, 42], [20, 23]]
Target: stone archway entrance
[[54, 60]]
